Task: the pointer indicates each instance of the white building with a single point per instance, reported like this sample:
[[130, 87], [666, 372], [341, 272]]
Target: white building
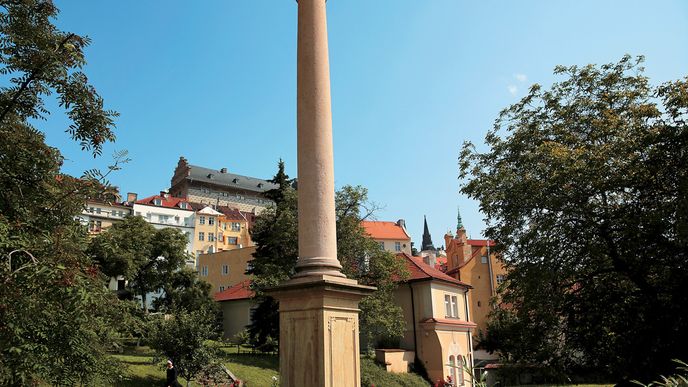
[[165, 211]]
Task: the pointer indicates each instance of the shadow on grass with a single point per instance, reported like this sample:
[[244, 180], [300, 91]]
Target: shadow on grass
[[140, 381], [255, 360]]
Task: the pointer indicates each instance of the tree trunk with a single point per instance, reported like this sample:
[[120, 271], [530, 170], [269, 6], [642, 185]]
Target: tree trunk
[[143, 302]]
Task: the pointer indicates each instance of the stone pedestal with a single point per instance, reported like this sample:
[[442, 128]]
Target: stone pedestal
[[319, 343]]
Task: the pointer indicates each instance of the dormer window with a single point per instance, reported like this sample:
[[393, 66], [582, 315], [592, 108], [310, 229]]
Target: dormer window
[[260, 185], [183, 205], [210, 176], [157, 202], [235, 180]]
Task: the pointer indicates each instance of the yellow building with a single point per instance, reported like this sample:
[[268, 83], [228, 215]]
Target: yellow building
[[225, 269], [438, 323], [220, 230], [474, 262]]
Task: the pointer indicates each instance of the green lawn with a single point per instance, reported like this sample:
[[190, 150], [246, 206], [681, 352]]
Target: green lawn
[[256, 369]]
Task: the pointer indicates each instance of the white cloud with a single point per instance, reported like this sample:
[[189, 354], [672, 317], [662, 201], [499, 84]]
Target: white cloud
[[512, 89], [521, 77]]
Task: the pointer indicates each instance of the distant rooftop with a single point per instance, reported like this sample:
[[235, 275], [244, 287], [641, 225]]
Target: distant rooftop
[[384, 230], [223, 178]]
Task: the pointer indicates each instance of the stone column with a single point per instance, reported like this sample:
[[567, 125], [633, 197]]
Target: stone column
[[319, 343], [317, 228]]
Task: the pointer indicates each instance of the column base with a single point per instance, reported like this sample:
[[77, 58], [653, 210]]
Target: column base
[[319, 343]]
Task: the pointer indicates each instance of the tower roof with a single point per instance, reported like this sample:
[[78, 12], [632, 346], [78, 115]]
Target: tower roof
[[427, 239]]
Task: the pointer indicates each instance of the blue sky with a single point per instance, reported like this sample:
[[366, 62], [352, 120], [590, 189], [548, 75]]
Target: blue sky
[[215, 81]]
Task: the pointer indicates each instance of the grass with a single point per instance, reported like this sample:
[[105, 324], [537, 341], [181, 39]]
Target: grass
[[256, 369]]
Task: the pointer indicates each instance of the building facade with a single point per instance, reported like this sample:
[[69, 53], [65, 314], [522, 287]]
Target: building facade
[[474, 262], [165, 211], [219, 187], [392, 236], [438, 321], [225, 269], [99, 216], [220, 229]]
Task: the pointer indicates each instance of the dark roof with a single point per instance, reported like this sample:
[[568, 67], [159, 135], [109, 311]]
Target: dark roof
[[217, 177]]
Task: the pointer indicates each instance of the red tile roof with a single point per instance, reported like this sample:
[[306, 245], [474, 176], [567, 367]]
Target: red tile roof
[[384, 230], [240, 291], [480, 242], [166, 201], [420, 271]]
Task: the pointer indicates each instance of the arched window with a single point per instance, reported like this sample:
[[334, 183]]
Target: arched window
[[452, 369]]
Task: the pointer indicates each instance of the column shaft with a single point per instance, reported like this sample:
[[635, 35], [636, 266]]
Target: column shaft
[[317, 223]]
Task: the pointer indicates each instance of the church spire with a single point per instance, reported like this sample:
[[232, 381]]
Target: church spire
[[459, 222], [427, 239]]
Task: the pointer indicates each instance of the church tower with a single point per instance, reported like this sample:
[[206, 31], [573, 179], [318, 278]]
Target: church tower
[[427, 239]]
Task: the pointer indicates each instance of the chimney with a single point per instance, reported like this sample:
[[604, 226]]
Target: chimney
[[223, 170], [131, 197], [401, 223], [164, 194]]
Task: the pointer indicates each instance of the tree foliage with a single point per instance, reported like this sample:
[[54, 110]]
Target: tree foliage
[[183, 339], [146, 256], [56, 318], [276, 236], [585, 186]]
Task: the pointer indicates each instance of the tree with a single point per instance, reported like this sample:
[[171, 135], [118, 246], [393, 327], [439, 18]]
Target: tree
[[148, 257], [585, 187], [275, 233], [183, 339], [50, 292], [184, 290]]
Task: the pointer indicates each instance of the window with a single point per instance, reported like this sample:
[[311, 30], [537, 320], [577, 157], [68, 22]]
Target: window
[[121, 284], [163, 218], [232, 240], [397, 246], [249, 265], [451, 306], [222, 288], [211, 237], [483, 259], [455, 307], [480, 304], [236, 226], [97, 210], [500, 279], [225, 269], [201, 236], [220, 236], [204, 271], [452, 369], [201, 220], [224, 226], [91, 209], [157, 202], [176, 219], [183, 205], [382, 245], [211, 220]]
